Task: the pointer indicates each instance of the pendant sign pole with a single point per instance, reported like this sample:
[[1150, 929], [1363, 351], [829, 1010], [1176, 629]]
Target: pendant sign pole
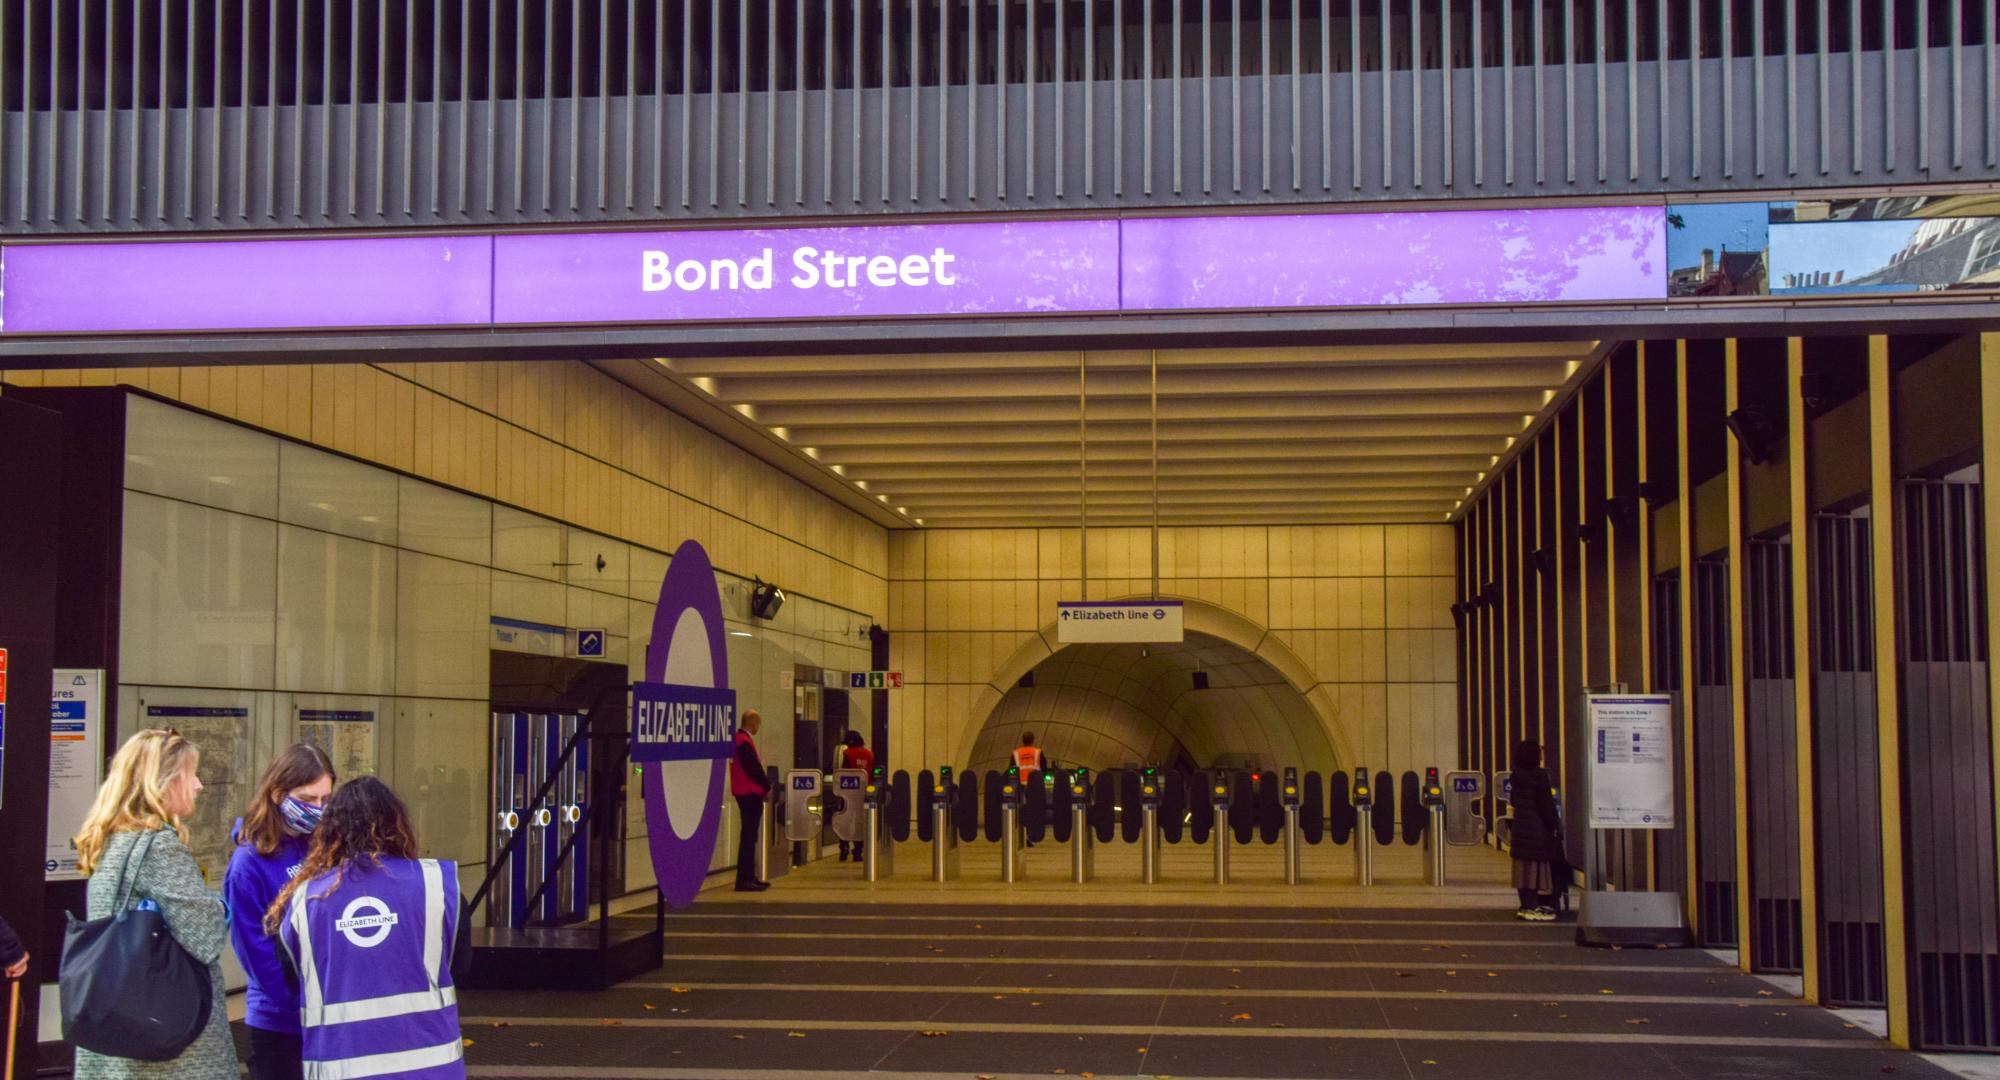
[[1134, 622]]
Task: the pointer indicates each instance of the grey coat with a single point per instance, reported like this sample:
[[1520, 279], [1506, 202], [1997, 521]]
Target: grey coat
[[195, 915]]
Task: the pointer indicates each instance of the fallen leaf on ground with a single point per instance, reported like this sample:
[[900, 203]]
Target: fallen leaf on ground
[[503, 1023], [1604, 991], [649, 1006], [739, 1038], [1428, 1061], [535, 1045], [934, 1034], [610, 1023], [467, 1042], [1492, 974], [1763, 993], [1240, 1016], [795, 1034], [677, 989], [1638, 1020]]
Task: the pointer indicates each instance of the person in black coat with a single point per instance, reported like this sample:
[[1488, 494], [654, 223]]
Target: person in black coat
[[1537, 839]]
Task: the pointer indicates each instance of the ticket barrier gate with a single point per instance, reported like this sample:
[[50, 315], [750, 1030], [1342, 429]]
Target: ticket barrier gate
[[1218, 841], [527, 748], [1082, 855], [879, 852], [1456, 822], [1149, 829], [1364, 829], [846, 810], [1010, 827], [944, 832], [1289, 794], [805, 808]]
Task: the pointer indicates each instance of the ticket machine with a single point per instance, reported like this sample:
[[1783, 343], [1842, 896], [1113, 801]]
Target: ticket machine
[[805, 807], [1288, 795], [1364, 828]]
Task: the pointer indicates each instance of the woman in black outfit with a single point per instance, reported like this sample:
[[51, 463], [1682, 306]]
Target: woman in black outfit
[[1537, 843]]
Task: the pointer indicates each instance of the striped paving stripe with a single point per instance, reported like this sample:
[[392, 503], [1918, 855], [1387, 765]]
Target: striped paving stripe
[[1102, 961], [1154, 1031], [1213, 992], [1134, 939]]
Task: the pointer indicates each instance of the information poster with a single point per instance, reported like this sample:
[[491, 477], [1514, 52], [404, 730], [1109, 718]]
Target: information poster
[[76, 762], [347, 736], [223, 734], [1631, 782]]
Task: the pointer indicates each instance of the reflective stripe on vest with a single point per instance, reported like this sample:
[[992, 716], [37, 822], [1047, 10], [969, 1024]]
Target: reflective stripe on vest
[[336, 1051], [1028, 758], [400, 1061]]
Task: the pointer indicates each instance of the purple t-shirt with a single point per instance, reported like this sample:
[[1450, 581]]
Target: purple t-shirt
[[252, 882]]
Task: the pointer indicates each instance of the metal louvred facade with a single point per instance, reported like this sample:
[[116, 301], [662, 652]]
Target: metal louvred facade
[[192, 115]]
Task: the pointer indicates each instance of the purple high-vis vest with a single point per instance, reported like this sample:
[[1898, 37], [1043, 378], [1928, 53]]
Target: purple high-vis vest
[[374, 960]]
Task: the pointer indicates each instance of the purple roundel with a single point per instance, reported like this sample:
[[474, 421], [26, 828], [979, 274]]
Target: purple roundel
[[684, 797]]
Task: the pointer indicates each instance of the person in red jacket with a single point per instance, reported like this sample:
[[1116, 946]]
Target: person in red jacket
[[747, 782], [855, 755]]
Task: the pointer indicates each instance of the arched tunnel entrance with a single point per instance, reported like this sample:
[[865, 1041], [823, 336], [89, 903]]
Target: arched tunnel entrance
[[1199, 703]]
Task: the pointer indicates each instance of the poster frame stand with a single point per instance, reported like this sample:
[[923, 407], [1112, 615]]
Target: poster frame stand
[[1619, 918]]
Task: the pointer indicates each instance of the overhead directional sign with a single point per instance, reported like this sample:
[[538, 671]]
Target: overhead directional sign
[[590, 642], [875, 680], [1143, 622]]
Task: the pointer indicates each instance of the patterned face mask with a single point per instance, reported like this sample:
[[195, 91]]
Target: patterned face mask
[[302, 818]]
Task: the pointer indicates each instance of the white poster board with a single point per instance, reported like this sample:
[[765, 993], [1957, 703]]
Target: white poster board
[[1630, 782], [76, 762]]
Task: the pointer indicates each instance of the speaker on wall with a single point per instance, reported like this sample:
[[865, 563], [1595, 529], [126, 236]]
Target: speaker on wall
[[1201, 680], [766, 599]]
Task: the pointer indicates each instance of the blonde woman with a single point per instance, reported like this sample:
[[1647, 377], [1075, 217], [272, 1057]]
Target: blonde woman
[[148, 795]]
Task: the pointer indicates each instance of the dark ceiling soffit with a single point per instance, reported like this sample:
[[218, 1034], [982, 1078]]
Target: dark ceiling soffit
[[1747, 319], [657, 384]]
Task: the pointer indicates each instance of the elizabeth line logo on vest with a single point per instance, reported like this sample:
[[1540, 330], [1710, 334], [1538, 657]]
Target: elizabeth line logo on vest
[[366, 922]]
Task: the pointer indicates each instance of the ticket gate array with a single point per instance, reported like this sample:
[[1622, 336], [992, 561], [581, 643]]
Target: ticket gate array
[[1222, 809], [540, 887]]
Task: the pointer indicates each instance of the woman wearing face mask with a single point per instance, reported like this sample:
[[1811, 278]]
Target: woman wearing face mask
[[272, 838], [135, 837]]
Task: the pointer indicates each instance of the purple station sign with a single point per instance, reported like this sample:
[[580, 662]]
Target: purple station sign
[[1016, 267], [1242, 263], [246, 285]]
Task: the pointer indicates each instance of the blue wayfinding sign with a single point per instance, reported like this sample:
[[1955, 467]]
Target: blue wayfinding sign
[[671, 722], [590, 643]]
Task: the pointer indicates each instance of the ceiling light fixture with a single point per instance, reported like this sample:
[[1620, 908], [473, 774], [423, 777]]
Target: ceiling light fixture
[[810, 451], [706, 384], [782, 432], [839, 470], [862, 484]]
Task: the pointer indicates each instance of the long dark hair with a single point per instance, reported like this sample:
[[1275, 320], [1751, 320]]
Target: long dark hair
[[1527, 755], [364, 823], [300, 764]]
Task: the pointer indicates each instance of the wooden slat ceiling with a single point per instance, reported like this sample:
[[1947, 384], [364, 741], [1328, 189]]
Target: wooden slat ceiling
[[1392, 433]]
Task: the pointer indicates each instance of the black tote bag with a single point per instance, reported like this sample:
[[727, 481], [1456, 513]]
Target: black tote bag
[[129, 989]]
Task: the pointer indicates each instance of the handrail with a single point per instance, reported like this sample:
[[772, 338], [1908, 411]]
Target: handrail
[[548, 783]]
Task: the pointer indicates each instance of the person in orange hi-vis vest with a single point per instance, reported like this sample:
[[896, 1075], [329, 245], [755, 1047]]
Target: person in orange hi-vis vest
[[1029, 759]]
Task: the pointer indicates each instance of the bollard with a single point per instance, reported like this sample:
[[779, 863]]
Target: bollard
[[1149, 845], [944, 839], [1010, 843], [1082, 856], [1291, 845], [1218, 840], [1434, 846], [1364, 845], [764, 842]]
